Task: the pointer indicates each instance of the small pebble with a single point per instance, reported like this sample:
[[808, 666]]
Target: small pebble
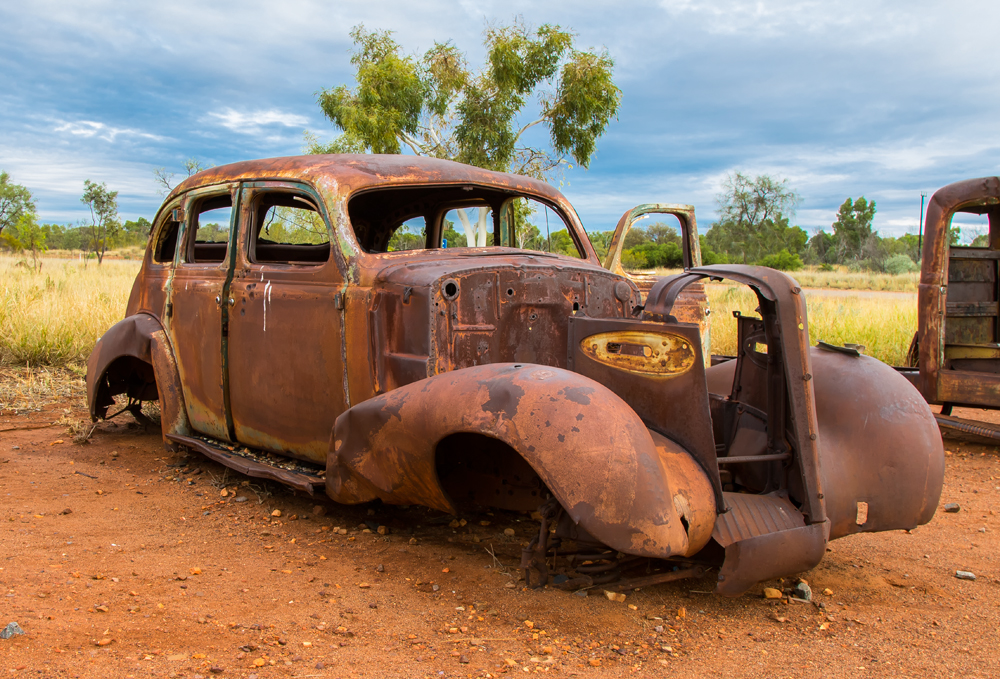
[[240, 498], [803, 591], [952, 507], [965, 575]]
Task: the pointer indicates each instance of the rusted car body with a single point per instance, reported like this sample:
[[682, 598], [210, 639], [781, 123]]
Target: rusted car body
[[957, 346], [501, 376]]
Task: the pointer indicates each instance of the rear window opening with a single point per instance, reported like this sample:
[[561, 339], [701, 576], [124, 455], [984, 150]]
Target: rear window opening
[[396, 220]]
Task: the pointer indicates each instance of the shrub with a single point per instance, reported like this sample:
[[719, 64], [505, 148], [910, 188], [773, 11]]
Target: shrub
[[899, 264], [782, 260]]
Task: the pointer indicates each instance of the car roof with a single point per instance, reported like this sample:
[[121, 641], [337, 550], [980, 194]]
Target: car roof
[[350, 173]]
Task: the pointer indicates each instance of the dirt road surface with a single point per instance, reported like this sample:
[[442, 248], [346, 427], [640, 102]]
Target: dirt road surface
[[118, 559]]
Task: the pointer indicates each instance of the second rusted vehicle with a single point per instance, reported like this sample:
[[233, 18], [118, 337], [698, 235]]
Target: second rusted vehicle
[[285, 336], [956, 351]]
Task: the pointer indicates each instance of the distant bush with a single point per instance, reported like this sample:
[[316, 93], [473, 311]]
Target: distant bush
[[898, 264], [826, 267], [782, 260]]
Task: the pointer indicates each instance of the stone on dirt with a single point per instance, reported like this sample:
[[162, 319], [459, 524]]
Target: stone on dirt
[[12, 629], [803, 591], [952, 507], [965, 575], [772, 593]]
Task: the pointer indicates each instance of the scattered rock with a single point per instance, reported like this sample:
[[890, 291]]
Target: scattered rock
[[464, 659], [579, 592], [195, 571], [12, 629], [413, 541], [380, 569], [104, 642], [509, 532], [772, 593], [828, 592], [803, 591], [965, 575], [435, 587], [240, 498], [215, 669], [66, 511], [952, 507], [614, 596], [276, 513], [383, 530]]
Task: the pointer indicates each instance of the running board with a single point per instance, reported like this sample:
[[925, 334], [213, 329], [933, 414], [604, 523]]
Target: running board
[[968, 430], [301, 476], [765, 536]]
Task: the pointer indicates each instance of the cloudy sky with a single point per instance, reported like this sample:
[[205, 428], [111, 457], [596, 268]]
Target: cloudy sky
[[842, 98]]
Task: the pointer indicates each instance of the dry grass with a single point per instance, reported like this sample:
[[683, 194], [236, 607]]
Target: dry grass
[[840, 279], [30, 389], [55, 316], [857, 280], [884, 325]]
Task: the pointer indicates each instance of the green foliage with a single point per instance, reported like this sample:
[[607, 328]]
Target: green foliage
[[854, 237], [436, 106], [104, 225], [26, 235], [899, 264], [15, 202], [753, 218], [855, 243], [783, 260]]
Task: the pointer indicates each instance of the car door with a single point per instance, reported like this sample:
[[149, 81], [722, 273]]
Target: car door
[[692, 304], [198, 293], [286, 362]]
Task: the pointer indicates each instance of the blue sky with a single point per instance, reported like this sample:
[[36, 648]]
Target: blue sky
[[859, 97]]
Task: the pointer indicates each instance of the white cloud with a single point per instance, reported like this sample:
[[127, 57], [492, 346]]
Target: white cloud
[[90, 128], [254, 122]]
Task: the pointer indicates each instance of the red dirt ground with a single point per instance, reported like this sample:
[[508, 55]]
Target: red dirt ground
[[153, 572]]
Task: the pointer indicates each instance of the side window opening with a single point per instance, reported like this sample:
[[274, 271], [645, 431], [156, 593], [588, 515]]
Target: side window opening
[[288, 228], [166, 241], [211, 222]]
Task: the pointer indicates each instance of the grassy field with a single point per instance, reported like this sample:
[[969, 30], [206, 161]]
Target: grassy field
[[51, 319], [54, 317], [842, 279], [884, 325]]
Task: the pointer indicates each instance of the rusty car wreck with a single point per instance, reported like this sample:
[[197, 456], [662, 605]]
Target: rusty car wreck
[[292, 342]]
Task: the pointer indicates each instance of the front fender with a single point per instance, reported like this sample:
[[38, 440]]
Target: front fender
[[633, 492]]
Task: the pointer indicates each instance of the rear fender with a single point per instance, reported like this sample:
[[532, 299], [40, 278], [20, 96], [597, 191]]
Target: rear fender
[[633, 493], [128, 338], [137, 345]]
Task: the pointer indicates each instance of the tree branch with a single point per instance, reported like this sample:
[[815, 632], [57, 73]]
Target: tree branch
[[527, 127]]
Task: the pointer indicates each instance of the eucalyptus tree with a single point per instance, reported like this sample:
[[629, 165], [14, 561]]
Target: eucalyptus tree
[[438, 106]]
